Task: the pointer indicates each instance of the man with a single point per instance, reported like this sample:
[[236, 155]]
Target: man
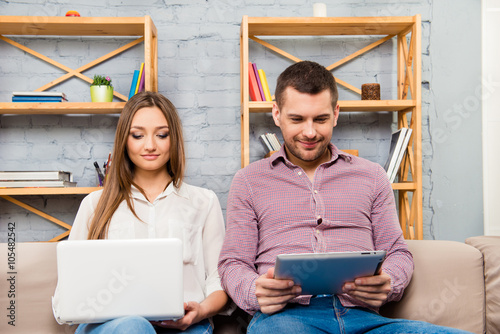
[[311, 197]]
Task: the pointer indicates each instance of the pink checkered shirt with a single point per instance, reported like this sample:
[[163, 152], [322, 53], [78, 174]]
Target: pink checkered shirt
[[273, 208]]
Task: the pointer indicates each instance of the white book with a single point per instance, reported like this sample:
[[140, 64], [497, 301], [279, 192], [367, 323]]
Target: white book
[[274, 141], [278, 144], [397, 139], [35, 175], [37, 184], [266, 143], [58, 94], [401, 155]]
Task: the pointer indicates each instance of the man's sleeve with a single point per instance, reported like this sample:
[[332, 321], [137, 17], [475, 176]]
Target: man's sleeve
[[387, 235], [239, 251]]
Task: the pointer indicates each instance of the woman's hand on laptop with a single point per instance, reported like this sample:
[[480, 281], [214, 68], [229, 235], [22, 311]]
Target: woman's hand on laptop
[[193, 314], [273, 294], [372, 290]]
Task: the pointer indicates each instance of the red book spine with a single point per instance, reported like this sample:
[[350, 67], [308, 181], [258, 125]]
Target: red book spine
[[258, 82], [254, 87]]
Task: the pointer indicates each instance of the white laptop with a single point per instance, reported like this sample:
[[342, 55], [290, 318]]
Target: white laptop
[[99, 280]]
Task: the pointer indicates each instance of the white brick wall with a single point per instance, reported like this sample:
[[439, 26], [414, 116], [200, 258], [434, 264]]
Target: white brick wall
[[198, 69]]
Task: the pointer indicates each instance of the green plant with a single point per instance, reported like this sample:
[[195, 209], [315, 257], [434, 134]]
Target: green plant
[[101, 80]]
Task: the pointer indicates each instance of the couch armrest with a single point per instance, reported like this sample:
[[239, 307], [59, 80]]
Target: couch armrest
[[490, 247], [35, 282], [447, 287]]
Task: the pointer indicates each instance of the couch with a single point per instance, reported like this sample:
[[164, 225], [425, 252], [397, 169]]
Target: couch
[[454, 284]]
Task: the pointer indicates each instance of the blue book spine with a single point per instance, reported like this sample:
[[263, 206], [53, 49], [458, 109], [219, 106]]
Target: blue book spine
[[134, 84], [36, 99]]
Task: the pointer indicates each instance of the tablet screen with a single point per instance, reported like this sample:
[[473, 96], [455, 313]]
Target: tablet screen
[[326, 273]]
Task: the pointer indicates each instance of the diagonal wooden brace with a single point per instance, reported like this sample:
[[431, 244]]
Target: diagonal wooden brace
[[41, 214], [71, 72]]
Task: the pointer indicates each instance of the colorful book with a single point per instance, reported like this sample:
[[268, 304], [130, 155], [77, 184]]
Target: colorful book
[[141, 73], [36, 99], [256, 71], [265, 86], [134, 84], [254, 88], [142, 82]]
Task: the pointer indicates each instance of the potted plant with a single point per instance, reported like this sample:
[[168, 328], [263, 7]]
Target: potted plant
[[101, 89]]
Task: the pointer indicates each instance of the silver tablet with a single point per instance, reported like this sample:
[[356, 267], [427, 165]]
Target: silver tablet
[[326, 273]]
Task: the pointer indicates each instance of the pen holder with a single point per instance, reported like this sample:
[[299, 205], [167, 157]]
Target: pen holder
[[99, 174]]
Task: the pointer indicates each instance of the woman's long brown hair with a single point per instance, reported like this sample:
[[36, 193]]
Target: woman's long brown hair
[[117, 187]]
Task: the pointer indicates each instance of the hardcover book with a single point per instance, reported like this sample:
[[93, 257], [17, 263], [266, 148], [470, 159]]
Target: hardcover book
[[36, 175], [265, 86], [134, 84], [252, 83], [36, 184], [400, 156], [141, 73], [397, 141], [261, 91]]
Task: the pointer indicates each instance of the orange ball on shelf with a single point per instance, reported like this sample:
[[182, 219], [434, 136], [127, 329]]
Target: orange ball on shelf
[[72, 13]]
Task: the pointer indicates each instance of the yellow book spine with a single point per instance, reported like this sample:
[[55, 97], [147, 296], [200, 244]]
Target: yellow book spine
[[139, 80], [265, 86]]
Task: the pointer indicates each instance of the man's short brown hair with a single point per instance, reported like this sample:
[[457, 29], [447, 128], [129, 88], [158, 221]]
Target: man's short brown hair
[[306, 77]]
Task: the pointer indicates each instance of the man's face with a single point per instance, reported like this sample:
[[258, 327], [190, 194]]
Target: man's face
[[306, 122]]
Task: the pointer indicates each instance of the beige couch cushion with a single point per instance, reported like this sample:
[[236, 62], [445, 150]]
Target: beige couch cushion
[[490, 247], [447, 287], [35, 281]]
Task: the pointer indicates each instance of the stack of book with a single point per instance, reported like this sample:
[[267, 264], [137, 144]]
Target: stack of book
[[399, 145], [138, 80], [270, 142], [24, 179], [39, 97], [259, 89]]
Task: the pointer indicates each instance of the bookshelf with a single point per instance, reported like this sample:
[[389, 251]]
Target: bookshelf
[[142, 29], [407, 31]]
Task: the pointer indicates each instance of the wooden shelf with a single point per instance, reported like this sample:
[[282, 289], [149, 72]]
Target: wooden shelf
[[406, 33], [309, 26], [143, 31], [48, 108], [405, 185], [348, 105], [73, 26], [48, 191]]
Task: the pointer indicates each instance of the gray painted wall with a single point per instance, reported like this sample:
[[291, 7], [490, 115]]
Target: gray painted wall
[[199, 71]]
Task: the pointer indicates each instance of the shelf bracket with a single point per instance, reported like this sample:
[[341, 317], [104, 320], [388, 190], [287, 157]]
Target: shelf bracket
[[72, 72], [43, 215]]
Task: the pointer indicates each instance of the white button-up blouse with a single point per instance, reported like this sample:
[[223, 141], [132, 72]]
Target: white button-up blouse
[[189, 213]]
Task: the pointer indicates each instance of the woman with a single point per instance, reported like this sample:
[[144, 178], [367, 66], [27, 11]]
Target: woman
[[144, 197]]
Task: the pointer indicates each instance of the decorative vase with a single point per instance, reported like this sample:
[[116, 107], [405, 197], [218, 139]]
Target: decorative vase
[[101, 93]]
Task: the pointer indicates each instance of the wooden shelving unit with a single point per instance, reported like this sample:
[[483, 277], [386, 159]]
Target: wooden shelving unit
[[141, 27], [407, 31]]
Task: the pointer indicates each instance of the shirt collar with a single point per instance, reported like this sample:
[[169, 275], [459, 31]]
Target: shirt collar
[[336, 153], [171, 189]]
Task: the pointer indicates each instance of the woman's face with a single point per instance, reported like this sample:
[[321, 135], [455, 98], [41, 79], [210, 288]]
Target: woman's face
[[148, 143]]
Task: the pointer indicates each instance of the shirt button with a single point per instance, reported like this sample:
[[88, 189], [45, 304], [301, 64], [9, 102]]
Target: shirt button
[[315, 191], [318, 232], [300, 173]]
